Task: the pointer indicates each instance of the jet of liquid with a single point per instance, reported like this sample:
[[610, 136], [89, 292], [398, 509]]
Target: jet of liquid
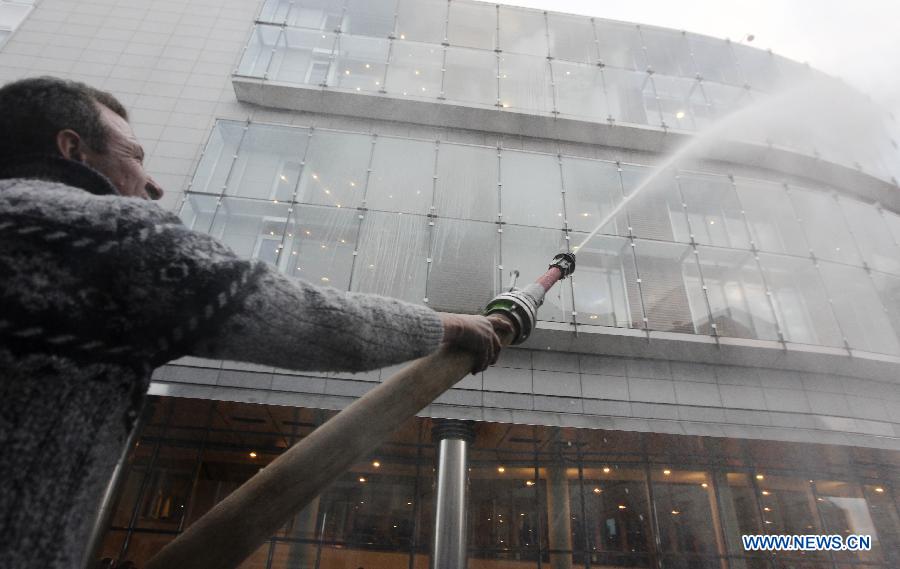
[[754, 114]]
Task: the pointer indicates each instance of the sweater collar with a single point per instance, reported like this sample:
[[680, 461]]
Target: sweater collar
[[57, 169]]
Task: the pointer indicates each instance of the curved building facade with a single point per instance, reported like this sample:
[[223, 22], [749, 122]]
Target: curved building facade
[[724, 361]]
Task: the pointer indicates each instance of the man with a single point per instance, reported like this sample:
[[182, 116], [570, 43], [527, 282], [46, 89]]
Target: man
[[98, 286]]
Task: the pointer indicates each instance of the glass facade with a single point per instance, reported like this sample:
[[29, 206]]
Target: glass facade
[[538, 496], [444, 223], [544, 63]]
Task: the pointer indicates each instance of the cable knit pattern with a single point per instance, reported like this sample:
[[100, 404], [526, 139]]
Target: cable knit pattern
[[95, 291]]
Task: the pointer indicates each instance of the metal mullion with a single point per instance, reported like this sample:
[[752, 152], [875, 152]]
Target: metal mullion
[[414, 542], [361, 211], [587, 541], [281, 35], [431, 217], [555, 110], [662, 122], [335, 45], [387, 65], [446, 40], [234, 158], [195, 478], [834, 314], [499, 221], [497, 57], [630, 236], [816, 498], [537, 501], [441, 96], [655, 543], [566, 231]]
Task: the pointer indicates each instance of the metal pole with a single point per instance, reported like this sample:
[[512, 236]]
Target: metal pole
[[449, 537]]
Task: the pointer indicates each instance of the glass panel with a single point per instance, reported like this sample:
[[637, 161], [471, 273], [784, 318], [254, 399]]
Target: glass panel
[[197, 212], [738, 510], [872, 234], [325, 15], [422, 20], [498, 530], [415, 70], [529, 250], [256, 57], [593, 188], [393, 249], [713, 211], [886, 538], [825, 227], [335, 169], [770, 215], [11, 15], [714, 60], [682, 103], [523, 31], [788, 506], [465, 256], [252, 228], [472, 25], [359, 63], [888, 288], [268, 163], [725, 99], [685, 511], [893, 222], [374, 18], [757, 67], [672, 294], [571, 38], [525, 83], [467, 182], [275, 11], [402, 177], [580, 91], [619, 45], [737, 294], [606, 292], [800, 301], [215, 164], [860, 314], [302, 57], [532, 192], [470, 76], [844, 512], [655, 213], [631, 97], [562, 513], [617, 511], [668, 52], [319, 245]]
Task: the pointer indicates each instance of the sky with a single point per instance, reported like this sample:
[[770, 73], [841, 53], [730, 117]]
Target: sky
[[856, 40]]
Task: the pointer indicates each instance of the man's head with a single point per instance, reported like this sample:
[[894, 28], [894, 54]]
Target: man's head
[[51, 116]]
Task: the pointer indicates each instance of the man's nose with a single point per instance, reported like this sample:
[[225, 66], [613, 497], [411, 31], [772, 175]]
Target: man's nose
[[154, 190]]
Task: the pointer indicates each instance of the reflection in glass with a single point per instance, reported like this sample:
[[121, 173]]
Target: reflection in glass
[[531, 191], [463, 274], [713, 210], [467, 182], [421, 20], [870, 230], [319, 245], [527, 249], [252, 228], [737, 295], [757, 67], [619, 45], [888, 288], [218, 157], [580, 91], [503, 514], [268, 163], [685, 511], [373, 18], [670, 288], [523, 31], [668, 52], [605, 285], [800, 300], [827, 232], [258, 53], [392, 259], [617, 511], [322, 15], [593, 188], [571, 38], [861, 316], [197, 212], [525, 83], [682, 103], [844, 511], [725, 99], [472, 25], [402, 175], [335, 169], [656, 212], [714, 60], [359, 63], [631, 97], [303, 57], [770, 217], [415, 70], [470, 75], [738, 510]]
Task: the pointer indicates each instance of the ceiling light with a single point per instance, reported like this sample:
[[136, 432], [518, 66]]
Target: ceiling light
[[252, 454]]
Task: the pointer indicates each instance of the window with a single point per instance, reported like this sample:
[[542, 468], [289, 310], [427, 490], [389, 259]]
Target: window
[[12, 14]]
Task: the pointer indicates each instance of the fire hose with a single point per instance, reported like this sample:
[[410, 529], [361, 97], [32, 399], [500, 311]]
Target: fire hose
[[235, 527]]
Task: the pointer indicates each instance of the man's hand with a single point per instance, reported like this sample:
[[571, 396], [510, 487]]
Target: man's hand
[[476, 334]]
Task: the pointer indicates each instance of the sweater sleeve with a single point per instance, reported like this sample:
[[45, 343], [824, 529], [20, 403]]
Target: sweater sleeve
[[296, 325]]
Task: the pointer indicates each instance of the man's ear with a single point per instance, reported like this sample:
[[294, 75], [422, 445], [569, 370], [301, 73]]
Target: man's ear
[[70, 145]]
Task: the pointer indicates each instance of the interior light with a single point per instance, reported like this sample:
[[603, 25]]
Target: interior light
[[621, 506], [593, 316], [765, 492], [675, 512], [505, 105], [586, 214], [346, 72], [315, 176], [417, 71], [529, 483], [879, 490], [307, 233], [605, 470], [403, 36], [327, 191], [359, 89], [368, 66], [252, 454], [597, 490], [704, 485], [284, 178], [325, 280], [376, 464], [760, 477], [361, 479], [371, 266], [667, 472], [409, 503], [271, 233], [767, 509], [712, 221], [352, 184], [679, 115], [500, 469]]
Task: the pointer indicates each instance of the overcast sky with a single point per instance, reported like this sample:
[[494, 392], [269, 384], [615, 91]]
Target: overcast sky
[[857, 40]]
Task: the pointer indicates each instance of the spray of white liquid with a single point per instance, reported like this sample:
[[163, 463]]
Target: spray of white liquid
[[753, 114]]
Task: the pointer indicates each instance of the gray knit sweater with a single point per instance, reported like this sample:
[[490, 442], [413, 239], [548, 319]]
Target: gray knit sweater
[[95, 291]]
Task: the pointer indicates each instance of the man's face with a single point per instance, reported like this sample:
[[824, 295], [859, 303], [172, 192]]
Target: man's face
[[123, 160]]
